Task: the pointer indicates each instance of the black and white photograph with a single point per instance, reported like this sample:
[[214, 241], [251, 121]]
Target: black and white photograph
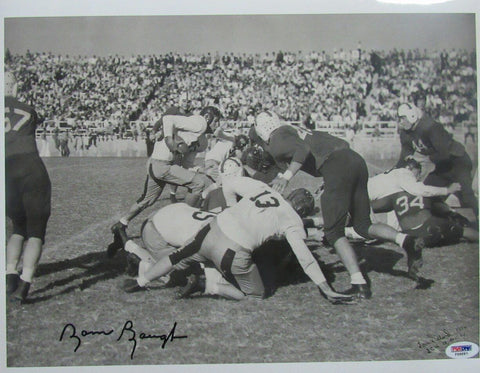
[[269, 188]]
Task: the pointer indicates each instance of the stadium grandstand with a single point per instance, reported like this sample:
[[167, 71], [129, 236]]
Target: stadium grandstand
[[347, 93]]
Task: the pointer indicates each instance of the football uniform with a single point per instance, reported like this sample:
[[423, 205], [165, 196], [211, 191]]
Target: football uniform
[[165, 167], [452, 163], [171, 227], [28, 188], [382, 186], [214, 201], [344, 173], [415, 218], [230, 239], [311, 148], [260, 215]]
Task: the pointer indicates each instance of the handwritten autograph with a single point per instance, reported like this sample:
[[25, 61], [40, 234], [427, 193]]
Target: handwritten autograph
[[70, 331], [441, 340]]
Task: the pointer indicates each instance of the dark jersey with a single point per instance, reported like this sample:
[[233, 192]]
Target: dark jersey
[[412, 211], [21, 121], [310, 148], [416, 219], [431, 139]]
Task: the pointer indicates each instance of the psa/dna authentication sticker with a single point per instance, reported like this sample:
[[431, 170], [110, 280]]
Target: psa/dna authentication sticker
[[461, 350]]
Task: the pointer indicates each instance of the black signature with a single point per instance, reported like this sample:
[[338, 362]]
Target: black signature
[[70, 331], [441, 340]]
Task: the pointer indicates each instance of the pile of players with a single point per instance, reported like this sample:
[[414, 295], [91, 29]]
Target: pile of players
[[237, 205]]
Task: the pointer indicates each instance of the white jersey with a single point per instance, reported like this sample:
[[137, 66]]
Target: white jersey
[[260, 215], [161, 152], [219, 151], [399, 180], [179, 222], [188, 128]]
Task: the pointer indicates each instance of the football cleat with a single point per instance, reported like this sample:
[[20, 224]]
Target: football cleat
[[133, 262], [130, 285], [20, 294], [114, 246], [359, 291], [195, 283], [337, 298], [12, 280], [117, 226], [414, 246]]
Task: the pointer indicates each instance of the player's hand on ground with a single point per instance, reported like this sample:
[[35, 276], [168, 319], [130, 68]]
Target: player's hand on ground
[[453, 188], [334, 297], [279, 184]]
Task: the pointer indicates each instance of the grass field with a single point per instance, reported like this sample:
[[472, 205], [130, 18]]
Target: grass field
[[77, 285]]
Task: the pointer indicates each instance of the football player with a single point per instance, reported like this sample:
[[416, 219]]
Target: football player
[[229, 240], [345, 177], [406, 178], [225, 146], [161, 234], [184, 108], [420, 134], [399, 191], [259, 164], [434, 221], [171, 160], [28, 192]]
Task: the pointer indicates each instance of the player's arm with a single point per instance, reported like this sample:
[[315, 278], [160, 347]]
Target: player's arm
[[254, 138], [444, 144], [172, 123], [312, 269], [293, 148], [222, 135], [406, 150], [409, 184], [157, 126]]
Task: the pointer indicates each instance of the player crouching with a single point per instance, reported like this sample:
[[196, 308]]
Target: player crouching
[[230, 238]]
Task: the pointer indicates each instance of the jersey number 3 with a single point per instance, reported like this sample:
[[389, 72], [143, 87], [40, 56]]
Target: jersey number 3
[[263, 200], [24, 118]]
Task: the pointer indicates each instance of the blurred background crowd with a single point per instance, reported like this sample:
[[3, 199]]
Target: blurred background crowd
[[344, 87]]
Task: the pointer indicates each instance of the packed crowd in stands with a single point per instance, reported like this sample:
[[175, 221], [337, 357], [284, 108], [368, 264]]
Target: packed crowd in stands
[[343, 87]]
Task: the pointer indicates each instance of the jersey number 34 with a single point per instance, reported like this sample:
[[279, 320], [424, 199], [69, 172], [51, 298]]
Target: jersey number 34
[[405, 204]]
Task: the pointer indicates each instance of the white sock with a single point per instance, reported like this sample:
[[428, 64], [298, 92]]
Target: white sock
[[143, 254], [124, 221], [212, 278], [11, 269], [27, 274], [357, 279], [143, 267], [400, 238], [351, 233], [142, 281]]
